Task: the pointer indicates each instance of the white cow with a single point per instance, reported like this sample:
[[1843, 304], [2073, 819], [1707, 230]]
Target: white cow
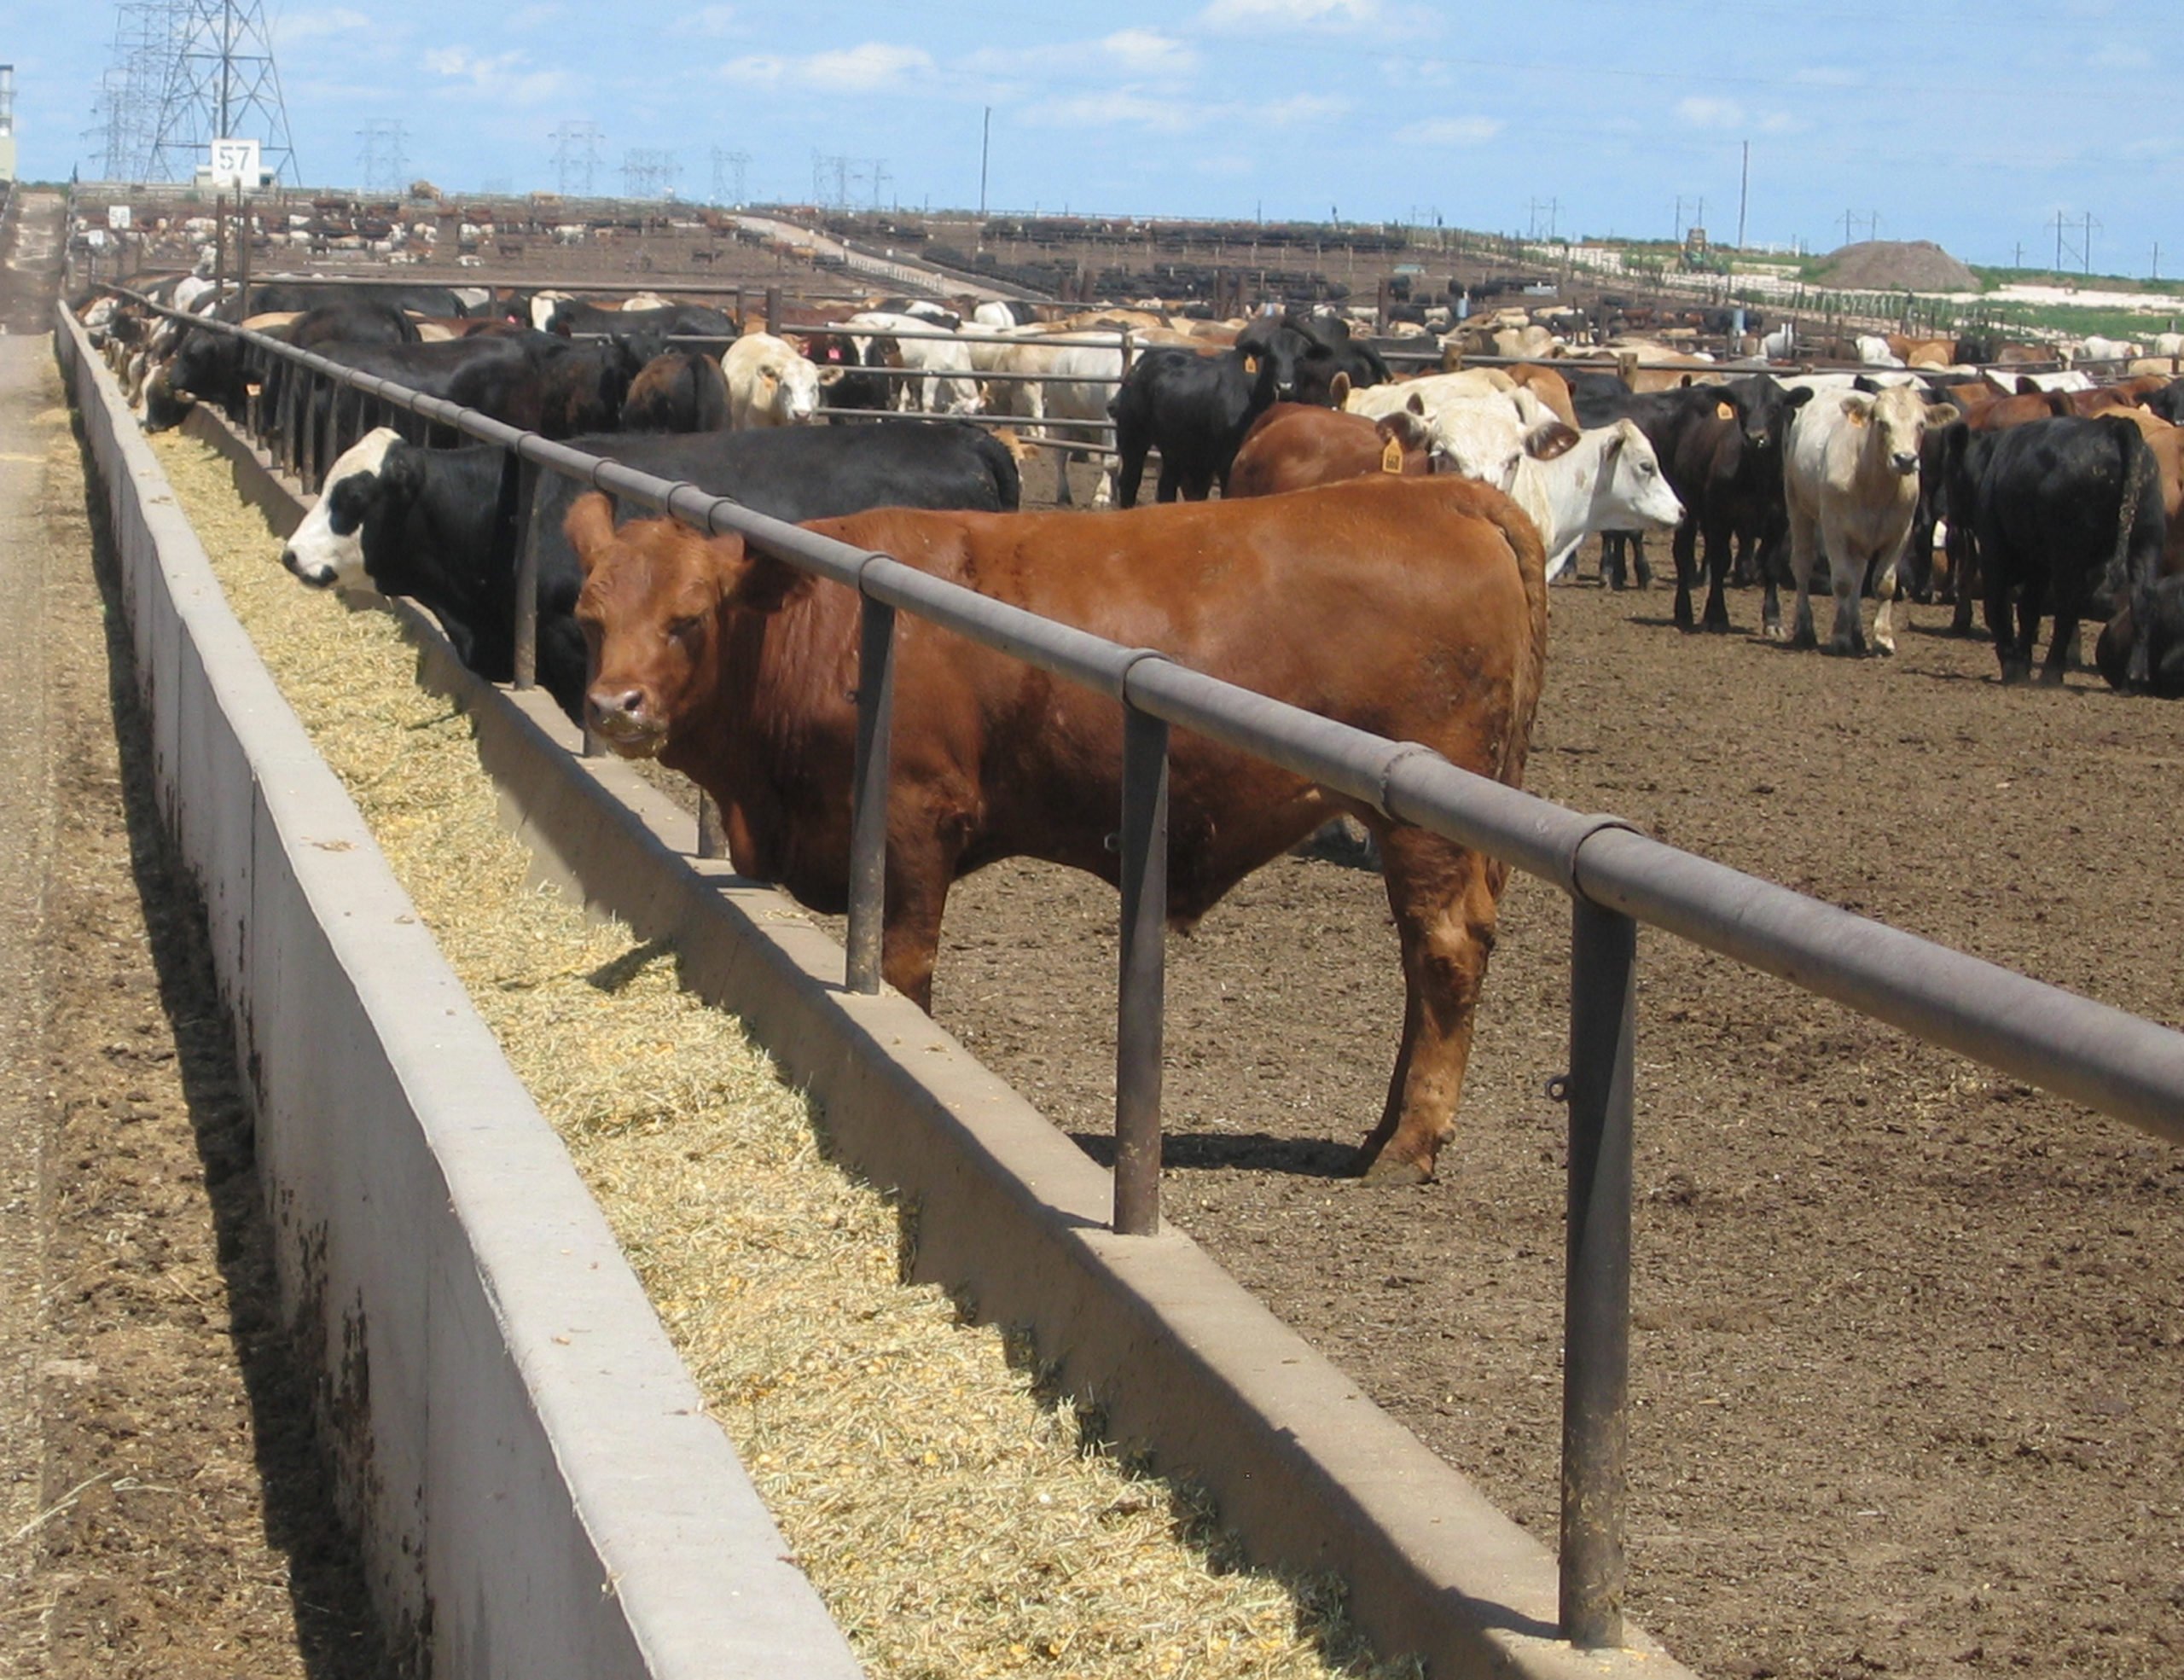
[[1080, 379], [1875, 352], [2168, 344], [1569, 484], [946, 383], [1850, 476], [770, 383]]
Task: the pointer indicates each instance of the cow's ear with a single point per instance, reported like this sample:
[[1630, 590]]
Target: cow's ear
[[1798, 397], [1857, 408], [1416, 405], [1941, 414], [1549, 439], [402, 471], [1338, 389], [1402, 430], [590, 527]]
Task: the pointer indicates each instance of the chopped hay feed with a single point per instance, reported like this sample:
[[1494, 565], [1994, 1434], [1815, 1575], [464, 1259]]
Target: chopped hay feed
[[958, 1517]]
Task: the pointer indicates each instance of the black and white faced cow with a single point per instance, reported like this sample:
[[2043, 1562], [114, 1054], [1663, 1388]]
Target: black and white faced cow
[[438, 526]]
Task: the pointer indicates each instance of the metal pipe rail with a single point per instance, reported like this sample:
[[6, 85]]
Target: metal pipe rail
[[2124, 1065]]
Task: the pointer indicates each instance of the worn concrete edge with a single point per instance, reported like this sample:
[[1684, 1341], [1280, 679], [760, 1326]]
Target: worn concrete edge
[[689, 1574], [1309, 1471]]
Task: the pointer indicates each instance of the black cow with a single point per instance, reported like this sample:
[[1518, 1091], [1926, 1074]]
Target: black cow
[[2067, 518], [443, 524], [2151, 619], [2168, 402], [1195, 409], [1320, 348], [572, 315], [1721, 446], [858, 380], [274, 296], [1724, 460]]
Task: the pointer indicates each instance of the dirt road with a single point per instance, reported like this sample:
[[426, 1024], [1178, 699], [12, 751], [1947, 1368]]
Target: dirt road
[[161, 1512]]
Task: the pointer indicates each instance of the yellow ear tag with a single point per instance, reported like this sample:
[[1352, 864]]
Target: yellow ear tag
[[1724, 411], [1392, 456], [1251, 365]]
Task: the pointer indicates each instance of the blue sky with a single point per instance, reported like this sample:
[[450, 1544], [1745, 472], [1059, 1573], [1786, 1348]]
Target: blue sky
[[1968, 123]]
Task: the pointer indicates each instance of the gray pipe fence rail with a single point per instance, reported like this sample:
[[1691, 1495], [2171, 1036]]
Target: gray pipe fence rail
[[1616, 878]]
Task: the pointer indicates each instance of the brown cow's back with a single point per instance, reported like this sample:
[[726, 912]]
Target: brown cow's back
[[1297, 445]]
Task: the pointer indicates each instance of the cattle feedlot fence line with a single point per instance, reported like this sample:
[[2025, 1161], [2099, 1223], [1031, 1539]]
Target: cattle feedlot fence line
[[1616, 878]]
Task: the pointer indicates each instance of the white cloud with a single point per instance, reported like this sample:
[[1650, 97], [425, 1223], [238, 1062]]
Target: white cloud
[[1289, 14], [1297, 108], [1146, 52], [1829, 76], [861, 69], [2120, 55], [1138, 54], [707, 21], [526, 18], [299, 27], [1702, 112], [501, 77], [1450, 132], [1120, 107]]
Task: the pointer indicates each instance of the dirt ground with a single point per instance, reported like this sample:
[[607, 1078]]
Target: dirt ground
[[161, 1509], [1909, 1356]]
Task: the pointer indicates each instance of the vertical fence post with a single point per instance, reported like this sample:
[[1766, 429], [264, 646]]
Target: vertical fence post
[[875, 712], [308, 468], [773, 309], [713, 837], [526, 628], [1143, 981], [1596, 1286]]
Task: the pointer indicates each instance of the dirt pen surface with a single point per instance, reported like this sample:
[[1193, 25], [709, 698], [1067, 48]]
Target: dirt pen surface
[[1908, 1357]]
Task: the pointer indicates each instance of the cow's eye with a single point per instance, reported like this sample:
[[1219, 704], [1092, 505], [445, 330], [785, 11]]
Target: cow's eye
[[683, 628]]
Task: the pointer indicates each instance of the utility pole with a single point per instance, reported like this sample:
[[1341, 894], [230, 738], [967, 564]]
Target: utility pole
[[985, 141], [2058, 242], [1743, 192], [2157, 259], [2090, 225], [1848, 218]]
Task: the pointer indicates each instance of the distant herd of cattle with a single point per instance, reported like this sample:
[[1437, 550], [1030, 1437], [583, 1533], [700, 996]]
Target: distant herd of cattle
[[1379, 554], [1761, 479]]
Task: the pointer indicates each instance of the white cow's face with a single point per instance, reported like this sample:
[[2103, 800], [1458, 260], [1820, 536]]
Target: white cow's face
[[1896, 420], [1635, 481], [328, 549], [796, 396], [1476, 442]]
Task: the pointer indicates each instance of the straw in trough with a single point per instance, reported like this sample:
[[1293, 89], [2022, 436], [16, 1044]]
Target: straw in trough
[[959, 1517]]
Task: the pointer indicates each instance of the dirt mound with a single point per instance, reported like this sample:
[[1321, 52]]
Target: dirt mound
[[1897, 265]]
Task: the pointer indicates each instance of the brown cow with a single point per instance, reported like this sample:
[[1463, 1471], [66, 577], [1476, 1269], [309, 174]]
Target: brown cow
[[1413, 607], [1296, 446], [1550, 387]]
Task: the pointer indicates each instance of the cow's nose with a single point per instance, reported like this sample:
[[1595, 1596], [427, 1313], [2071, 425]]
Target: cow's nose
[[1906, 463], [610, 703]]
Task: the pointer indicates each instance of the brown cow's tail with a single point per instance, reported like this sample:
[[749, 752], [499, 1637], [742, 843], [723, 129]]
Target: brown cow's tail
[[1530, 669], [2142, 495]]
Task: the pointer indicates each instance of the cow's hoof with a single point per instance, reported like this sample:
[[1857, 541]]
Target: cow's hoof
[[1716, 626], [1804, 638], [1389, 1171], [1770, 632]]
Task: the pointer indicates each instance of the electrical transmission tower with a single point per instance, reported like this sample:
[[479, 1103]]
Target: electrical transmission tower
[[219, 83], [384, 163], [649, 174], [124, 116], [724, 161], [576, 157]]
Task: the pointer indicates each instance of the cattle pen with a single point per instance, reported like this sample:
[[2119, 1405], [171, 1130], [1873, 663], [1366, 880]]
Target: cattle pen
[[1615, 879]]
